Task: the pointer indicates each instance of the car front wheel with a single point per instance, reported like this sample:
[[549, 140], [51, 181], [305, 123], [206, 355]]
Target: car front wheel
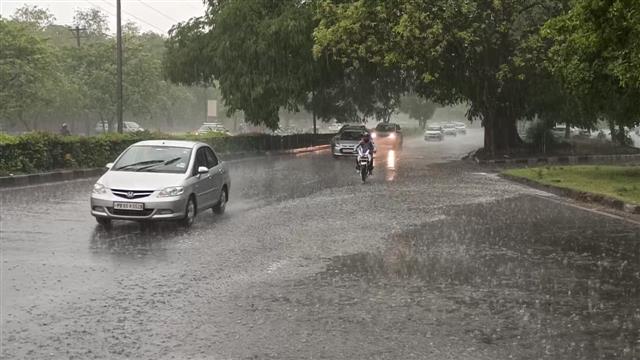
[[189, 213]]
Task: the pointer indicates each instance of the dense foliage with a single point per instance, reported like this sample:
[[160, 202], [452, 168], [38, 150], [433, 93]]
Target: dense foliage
[[260, 55], [596, 54], [50, 77]]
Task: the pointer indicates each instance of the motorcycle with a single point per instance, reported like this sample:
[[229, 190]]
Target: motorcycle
[[364, 163]]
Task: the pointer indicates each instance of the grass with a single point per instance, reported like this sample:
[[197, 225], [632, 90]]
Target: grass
[[620, 182]]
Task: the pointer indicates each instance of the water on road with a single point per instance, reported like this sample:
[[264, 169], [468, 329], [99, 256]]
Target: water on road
[[432, 258]]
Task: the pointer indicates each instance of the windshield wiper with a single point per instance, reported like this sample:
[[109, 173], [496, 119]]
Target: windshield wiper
[[139, 163], [160, 162]]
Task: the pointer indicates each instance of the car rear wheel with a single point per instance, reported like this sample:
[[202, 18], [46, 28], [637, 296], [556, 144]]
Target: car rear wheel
[[189, 213], [222, 203]]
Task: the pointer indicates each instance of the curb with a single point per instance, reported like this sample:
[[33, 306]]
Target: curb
[[578, 195], [64, 175], [574, 159], [53, 176]]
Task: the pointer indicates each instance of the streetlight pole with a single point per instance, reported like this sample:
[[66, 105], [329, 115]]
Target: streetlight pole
[[119, 65]]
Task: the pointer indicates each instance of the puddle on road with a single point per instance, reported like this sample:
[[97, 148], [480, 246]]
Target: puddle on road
[[552, 282]]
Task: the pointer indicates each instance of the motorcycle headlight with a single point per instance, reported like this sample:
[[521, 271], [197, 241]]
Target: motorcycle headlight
[[374, 135], [171, 191], [392, 136], [98, 188]]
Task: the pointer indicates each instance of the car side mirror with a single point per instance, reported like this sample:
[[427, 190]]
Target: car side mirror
[[109, 166], [203, 170]]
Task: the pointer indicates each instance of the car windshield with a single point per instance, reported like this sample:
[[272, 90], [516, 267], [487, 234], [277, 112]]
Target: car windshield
[[433, 128], [351, 135], [449, 126], [385, 127], [164, 159]]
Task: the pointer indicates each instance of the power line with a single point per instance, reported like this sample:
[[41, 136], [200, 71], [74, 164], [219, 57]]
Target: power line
[[158, 11], [131, 15], [101, 8]]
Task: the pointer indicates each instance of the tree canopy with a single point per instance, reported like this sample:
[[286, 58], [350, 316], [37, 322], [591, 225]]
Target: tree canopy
[[596, 53]]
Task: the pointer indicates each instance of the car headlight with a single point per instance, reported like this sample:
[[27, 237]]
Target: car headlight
[[337, 145], [98, 188], [171, 191]]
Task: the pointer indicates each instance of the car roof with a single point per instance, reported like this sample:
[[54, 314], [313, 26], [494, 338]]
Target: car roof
[[172, 143]]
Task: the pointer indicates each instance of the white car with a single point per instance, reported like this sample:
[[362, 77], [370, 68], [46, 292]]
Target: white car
[[211, 127], [127, 127], [461, 128], [434, 132], [334, 128], [450, 129]]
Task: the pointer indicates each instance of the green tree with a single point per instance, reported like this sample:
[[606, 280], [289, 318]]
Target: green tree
[[34, 16], [418, 108], [260, 54], [27, 72], [596, 54], [94, 21], [454, 50]]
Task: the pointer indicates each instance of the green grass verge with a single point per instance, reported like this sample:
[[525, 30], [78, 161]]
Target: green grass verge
[[620, 182]]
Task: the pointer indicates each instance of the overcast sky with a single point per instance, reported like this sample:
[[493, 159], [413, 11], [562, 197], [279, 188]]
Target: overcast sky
[[150, 15]]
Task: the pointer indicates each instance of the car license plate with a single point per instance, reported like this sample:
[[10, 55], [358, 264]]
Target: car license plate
[[128, 206], [347, 151]]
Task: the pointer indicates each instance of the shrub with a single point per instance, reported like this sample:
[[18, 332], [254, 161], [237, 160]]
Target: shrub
[[540, 136], [38, 152]]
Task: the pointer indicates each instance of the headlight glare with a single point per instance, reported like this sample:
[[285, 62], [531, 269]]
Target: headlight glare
[[171, 191]]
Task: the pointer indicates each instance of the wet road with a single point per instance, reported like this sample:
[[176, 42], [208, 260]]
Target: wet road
[[431, 259]]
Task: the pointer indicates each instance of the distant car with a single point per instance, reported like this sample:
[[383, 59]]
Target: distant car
[[345, 143], [450, 129], [127, 127], [461, 128], [211, 127], [161, 180], [388, 134], [434, 132], [334, 128]]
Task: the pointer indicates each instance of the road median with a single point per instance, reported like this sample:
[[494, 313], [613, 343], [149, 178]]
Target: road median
[[617, 187]]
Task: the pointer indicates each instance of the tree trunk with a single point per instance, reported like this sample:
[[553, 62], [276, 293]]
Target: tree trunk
[[500, 133]]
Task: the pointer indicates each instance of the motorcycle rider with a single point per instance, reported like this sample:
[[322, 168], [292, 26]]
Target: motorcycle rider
[[366, 144]]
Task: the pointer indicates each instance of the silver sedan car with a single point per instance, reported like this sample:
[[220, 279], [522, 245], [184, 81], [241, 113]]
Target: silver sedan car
[[161, 180]]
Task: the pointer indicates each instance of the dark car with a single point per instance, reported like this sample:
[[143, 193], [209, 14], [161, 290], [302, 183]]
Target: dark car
[[388, 134], [353, 127]]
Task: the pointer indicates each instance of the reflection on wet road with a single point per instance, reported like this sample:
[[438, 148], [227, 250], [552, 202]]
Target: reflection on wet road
[[427, 260]]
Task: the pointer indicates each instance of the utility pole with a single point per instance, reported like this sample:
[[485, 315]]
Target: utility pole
[[119, 65], [76, 32]]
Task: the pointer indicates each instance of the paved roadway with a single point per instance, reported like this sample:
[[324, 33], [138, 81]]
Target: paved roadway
[[432, 259]]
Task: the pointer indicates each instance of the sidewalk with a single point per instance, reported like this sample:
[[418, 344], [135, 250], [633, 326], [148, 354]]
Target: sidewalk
[[64, 175]]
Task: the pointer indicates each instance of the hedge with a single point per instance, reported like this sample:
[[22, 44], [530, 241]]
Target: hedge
[[38, 152]]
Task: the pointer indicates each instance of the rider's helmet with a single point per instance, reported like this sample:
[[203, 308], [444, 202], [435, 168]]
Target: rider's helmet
[[366, 137]]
